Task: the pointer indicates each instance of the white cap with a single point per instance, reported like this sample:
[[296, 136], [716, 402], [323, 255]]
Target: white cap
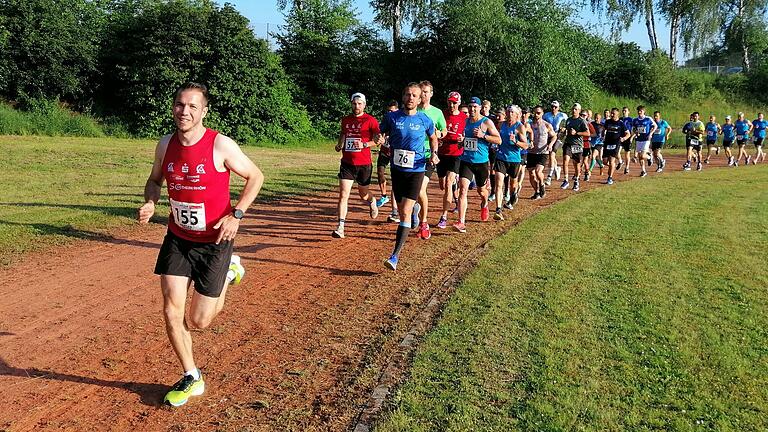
[[577, 106], [358, 96], [727, 117], [555, 103]]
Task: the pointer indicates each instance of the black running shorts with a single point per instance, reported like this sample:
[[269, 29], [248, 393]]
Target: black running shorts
[[504, 167], [406, 184], [711, 143], [205, 263], [657, 145], [382, 160], [759, 142], [536, 160], [447, 164], [359, 173], [727, 144], [626, 145], [481, 171], [429, 169]]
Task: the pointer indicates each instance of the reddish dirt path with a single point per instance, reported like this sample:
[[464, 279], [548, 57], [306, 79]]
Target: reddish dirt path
[[299, 345]]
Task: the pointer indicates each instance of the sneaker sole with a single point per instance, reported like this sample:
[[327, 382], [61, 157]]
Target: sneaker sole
[[194, 393], [389, 265]]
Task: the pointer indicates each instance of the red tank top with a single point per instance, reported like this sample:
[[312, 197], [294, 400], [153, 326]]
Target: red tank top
[[198, 193]]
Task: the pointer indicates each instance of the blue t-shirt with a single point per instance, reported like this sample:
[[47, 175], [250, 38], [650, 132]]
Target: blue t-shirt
[[711, 129], [508, 150], [742, 127], [729, 132], [475, 149], [627, 122], [660, 135], [643, 126], [406, 139], [555, 120], [759, 129]]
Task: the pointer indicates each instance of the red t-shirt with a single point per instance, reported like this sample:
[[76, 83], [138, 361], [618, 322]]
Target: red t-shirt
[[449, 145], [198, 193], [587, 140], [354, 128]]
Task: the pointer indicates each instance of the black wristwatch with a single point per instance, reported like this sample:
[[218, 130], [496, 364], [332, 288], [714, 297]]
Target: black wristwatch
[[237, 213]]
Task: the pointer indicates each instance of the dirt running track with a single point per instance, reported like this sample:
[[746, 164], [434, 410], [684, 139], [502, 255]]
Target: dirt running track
[[299, 345]]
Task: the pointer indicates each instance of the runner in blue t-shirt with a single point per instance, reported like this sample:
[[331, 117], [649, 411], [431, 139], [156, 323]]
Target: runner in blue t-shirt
[[556, 119], [626, 119], [743, 128], [729, 136], [713, 130], [658, 139], [759, 126], [508, 159], [642, 128], [479, 134], [406, 129]]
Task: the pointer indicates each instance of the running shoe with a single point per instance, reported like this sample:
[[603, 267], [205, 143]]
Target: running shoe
[[576, 186], [698, 166], [383, 200], [659, 169], [626, 170], [236, 271], [391, 263], [548, 180], [181, 391], [609, 181], [338, 232], [508, 205], [497, 215], [706, 161], [425, 232], [542, 191], [558, 170], [460, 227], [415, 215], [643, 173], [492, 197], [686, 167], [443, 223], [535, 196], [455, 209], [565, 184], [484, 213], [393, 217], [374, 209], [507, 196], [619, 165], [754, 161], [662, 163], [586, 176], [735, 163], [514, 199]]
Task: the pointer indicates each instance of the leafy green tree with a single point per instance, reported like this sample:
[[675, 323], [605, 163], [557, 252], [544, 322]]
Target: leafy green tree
[[49, 49], [392, 14]]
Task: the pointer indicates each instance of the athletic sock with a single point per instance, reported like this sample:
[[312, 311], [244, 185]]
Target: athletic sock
[[341, 223], [194, 373], [402, 234], [592, 164]]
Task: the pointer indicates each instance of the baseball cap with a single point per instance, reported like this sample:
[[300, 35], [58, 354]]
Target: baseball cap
[[454, 97], [577, 105], [475, 100], [727, 117], [555, 104], [358, 96]]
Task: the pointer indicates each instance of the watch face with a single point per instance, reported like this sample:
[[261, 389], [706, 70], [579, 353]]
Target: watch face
[[238, 214]]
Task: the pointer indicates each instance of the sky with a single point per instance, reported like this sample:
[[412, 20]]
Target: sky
[[266, 17]]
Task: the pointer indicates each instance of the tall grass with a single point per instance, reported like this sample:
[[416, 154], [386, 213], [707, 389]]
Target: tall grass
[[47, 119]]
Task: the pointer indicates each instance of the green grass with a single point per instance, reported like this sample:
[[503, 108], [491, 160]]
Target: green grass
[[49, 120], [637, 307], [59, 189], [677, 113]]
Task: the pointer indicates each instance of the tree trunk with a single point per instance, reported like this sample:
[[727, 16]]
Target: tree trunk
[[397, 19], [674, 34], [650, 24], [744, 45]]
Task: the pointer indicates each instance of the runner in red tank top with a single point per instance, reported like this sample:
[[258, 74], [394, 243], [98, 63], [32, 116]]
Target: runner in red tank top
[[195, 162], [355, 142]]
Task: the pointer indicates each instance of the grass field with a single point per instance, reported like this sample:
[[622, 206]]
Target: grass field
[[609, 313], [57, 189]]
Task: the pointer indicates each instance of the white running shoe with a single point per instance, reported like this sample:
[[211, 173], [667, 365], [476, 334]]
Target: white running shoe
[[236, 271]]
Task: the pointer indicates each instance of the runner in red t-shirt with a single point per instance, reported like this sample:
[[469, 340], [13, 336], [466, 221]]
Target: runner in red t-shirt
[[355, 141], [449, 151], [195, 162]]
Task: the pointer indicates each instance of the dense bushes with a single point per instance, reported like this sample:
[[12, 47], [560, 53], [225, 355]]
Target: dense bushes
[[47, 118], [629, 71]]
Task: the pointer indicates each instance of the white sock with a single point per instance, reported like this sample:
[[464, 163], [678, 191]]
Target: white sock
[[194, 373]]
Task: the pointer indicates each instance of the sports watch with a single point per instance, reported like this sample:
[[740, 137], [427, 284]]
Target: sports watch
[[237, 213]]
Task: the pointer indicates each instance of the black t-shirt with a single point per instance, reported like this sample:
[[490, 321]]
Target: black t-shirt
[[580, 125], [614, 131]]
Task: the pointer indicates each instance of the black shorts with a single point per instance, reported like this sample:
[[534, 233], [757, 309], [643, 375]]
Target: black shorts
[[711, 143], [504, 167], [626, 145], [491, 156], [696, 148], [205, 263], [382, 160], [524, 158], [429, 169], [535, 159], [727, 144], [759, 142], [611, 152], [657, 145], [741, 142], [406, 184], [480, 171], [448, 164], [359, 173], [586, 152], [574, 152]]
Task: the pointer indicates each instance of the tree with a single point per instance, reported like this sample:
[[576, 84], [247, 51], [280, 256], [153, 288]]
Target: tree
[[625, 12], [392, 14], [744, 28]]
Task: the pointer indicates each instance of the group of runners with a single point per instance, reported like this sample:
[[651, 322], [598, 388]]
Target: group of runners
[[471, 148], [467, 146]]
